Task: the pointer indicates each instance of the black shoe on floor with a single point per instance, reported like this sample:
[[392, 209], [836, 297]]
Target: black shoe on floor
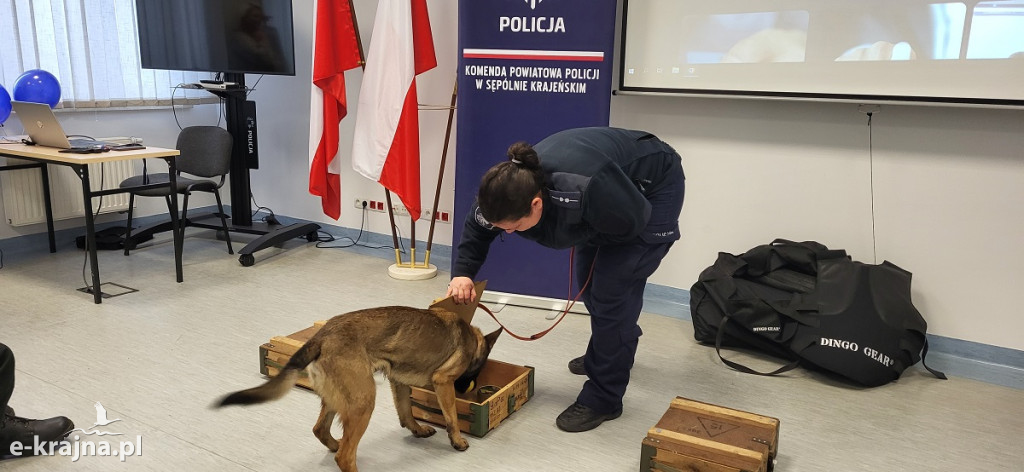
[[578, 418], [16, 429], [576, 366]]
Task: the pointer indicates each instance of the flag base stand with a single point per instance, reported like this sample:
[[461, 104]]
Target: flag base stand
[[407, 272]]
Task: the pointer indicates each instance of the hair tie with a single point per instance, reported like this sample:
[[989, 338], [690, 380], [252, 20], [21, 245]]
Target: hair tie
[[516, 161]]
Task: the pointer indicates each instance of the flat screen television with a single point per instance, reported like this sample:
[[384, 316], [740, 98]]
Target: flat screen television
[[230, 36]]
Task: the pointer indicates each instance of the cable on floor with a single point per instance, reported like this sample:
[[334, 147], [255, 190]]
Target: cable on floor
[[271, 218], [331, 238]]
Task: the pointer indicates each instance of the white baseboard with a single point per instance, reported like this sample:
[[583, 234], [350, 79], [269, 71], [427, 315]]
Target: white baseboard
[[555, 305]]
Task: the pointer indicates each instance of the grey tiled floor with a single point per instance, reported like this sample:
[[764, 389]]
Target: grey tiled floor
[[157, 358]]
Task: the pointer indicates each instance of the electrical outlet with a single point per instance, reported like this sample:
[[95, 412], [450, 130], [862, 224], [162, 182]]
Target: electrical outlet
[[382, 207], [370, 205], [443, 217]]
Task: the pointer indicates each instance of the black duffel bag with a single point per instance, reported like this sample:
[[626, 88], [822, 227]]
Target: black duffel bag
[[811, 306]]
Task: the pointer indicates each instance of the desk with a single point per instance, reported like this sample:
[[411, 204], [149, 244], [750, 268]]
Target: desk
[[41, 156]]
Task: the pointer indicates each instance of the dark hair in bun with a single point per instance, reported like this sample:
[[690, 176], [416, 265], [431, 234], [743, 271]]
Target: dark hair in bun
[[507, 189]]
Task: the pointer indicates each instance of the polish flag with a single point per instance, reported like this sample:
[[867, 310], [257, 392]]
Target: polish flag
[[386, 146], [336, 50]]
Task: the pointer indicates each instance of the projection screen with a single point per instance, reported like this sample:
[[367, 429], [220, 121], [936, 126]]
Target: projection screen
[[862, 50]]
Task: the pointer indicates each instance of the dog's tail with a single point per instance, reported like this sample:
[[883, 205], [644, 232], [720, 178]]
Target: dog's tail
[[280, 385]]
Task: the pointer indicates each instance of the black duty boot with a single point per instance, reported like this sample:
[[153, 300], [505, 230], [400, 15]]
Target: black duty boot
[[16, 429], [576, 366], [578, 418]]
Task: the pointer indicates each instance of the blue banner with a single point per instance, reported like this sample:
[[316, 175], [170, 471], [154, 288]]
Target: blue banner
[[527, 69]]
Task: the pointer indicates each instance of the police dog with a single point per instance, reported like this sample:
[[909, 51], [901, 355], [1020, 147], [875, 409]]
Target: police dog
[[411, 346]]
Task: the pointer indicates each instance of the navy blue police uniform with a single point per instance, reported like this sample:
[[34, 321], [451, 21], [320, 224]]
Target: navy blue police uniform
[[615, 195]]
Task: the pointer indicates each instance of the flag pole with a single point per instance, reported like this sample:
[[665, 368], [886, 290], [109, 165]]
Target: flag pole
[[412, 244], [359, 39], [394, 234], [440, 172]]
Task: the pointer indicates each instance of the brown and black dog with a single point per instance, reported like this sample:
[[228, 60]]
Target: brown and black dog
[[431, 348]]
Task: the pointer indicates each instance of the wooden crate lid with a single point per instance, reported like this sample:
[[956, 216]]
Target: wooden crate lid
[[465, 311], [291, 343]]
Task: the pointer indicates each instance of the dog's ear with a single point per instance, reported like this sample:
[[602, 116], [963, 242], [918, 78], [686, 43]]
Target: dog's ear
[[492, 338]]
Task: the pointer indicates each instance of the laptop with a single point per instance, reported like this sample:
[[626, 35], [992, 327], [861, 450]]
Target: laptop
[[42, 127]]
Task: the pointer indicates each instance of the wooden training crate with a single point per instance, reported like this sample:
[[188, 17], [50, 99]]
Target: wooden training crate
[[700, 437], [479, 410], [509, 386]]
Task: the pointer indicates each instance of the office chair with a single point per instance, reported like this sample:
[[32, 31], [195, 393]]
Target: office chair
[[205, 152]]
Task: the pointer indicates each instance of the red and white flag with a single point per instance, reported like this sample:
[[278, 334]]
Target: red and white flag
[[335, 51], [386, 147]]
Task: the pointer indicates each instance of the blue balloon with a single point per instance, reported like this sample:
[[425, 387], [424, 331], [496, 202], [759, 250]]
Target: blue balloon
[[5, 105], [37, 86]]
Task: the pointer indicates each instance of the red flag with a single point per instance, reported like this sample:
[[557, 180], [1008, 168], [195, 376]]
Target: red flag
[[335, 51], [386, 146]]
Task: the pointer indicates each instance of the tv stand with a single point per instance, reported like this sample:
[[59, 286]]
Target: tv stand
[[241, 123]]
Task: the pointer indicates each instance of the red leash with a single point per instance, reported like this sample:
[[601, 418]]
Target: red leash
[[569, 304]]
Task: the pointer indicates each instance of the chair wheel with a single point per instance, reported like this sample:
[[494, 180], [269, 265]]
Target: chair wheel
[[247, 260], [311, 236]]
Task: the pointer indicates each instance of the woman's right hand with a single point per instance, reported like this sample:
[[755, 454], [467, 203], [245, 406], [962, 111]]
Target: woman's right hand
[[462, 289]]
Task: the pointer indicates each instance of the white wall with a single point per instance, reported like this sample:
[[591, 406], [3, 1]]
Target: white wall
[[937, 191], [946, 185]]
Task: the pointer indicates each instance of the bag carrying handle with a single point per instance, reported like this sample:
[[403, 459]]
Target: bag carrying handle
[[924, 354], [819, 250], [904, 345], [741, 367]]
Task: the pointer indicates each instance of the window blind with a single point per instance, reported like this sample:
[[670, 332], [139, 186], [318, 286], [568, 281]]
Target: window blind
[[91, 46]]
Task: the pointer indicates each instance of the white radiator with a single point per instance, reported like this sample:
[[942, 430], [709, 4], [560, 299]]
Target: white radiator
[[23, 191]]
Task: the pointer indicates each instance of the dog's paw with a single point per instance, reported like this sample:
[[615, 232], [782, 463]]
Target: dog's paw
[[423, 431], [459, 444]]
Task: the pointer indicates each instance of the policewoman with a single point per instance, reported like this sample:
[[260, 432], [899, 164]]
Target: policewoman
[[614, 195]]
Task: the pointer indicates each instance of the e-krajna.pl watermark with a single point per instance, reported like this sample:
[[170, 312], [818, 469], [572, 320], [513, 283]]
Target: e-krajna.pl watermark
[[76, 449]]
